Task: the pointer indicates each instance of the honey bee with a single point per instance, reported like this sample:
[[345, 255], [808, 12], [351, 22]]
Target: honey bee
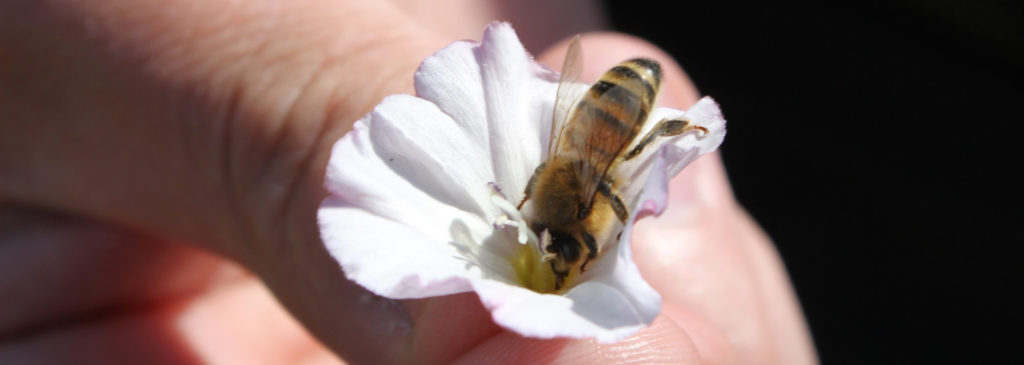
[[575, 191]]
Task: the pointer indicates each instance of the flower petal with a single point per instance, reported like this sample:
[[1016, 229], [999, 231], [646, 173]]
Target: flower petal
[[379, 254], [413, 193], [426, 147], [591, 311], [502, 98], [705, 113], [381, 167]]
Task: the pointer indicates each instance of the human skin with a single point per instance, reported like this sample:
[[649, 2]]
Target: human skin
[[161, 165]]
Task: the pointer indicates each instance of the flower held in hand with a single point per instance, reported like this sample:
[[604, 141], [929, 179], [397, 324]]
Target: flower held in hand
[[423, 191]]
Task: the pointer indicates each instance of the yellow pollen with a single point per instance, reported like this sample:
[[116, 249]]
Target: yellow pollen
[[535, 274]]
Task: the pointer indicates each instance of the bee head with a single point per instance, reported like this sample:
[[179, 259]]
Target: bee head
[[565, 246]]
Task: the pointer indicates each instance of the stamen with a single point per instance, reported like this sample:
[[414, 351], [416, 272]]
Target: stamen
[[505, 222], [495, 189], [525, 261], [511, 216]]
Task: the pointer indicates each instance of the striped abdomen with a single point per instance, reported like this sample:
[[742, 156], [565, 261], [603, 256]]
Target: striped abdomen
[[613, 111]]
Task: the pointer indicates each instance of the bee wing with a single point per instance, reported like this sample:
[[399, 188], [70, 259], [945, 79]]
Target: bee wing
[[604, 123], [567, 95]]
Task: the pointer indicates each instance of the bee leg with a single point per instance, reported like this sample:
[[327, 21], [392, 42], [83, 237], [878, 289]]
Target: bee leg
[[619, 208], [664, 128], [591, 248], [605, 188], [529, 184]]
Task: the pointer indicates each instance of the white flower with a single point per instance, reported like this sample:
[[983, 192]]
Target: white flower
[[423, 194]]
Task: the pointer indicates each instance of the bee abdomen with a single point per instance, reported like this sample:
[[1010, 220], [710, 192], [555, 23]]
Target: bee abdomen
[[640, 76], [621, 100], [611, 122]]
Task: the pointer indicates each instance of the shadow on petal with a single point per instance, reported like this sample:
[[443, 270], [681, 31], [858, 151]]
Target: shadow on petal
[[491, 255], [605, 306]]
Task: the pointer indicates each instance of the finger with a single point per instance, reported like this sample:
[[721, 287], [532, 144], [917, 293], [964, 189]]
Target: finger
[[538, 23], [201, 121], [234, 322], [186, 127], [73, 288], [736, 280], [241, 323], [56, 270], [712, 261], [144, 336]]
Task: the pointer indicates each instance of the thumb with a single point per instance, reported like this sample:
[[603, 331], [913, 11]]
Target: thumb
[[208, 125]]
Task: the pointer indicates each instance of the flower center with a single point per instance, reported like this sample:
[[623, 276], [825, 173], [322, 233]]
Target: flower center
[[531, 271]]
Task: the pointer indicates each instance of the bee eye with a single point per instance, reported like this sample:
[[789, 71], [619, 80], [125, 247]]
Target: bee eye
[[566, 247], [582, 211]]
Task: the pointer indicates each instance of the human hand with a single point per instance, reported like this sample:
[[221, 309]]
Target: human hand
[[147, 125]]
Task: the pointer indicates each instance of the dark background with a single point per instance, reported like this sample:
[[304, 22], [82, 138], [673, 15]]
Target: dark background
[[876, 143]]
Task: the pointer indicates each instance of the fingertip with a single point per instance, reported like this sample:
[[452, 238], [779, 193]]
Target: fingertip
[[700, 189], [661, 342]]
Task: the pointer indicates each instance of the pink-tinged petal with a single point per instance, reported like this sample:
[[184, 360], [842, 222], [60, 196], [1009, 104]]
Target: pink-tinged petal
[[705, 113], [675, 152]]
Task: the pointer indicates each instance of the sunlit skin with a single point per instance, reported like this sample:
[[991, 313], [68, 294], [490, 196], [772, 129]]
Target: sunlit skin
[[161, 164]]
